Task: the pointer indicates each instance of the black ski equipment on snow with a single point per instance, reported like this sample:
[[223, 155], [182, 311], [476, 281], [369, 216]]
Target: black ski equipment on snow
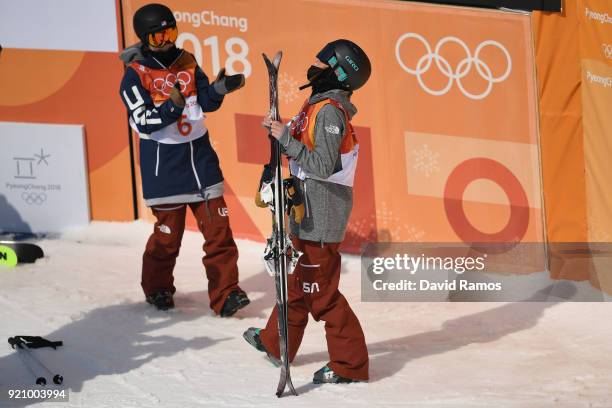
[[23, 346], [14, 252]]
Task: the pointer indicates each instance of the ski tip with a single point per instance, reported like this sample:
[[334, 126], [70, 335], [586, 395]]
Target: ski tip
[[288, 384], [277, 59], [291, 388], [269, 65], [276, 62]]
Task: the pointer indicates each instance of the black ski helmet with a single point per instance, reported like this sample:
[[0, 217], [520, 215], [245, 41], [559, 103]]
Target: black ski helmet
[[350, 63], [152, 18]]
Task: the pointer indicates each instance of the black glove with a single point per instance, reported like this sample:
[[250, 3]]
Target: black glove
[[225, 84], [176, 95]]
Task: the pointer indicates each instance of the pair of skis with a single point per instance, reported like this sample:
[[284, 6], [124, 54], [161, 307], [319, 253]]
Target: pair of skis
[[280, 256]]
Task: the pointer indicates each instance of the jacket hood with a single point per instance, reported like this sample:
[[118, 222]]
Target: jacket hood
[[338, 95], [136, 53], [132, 53]]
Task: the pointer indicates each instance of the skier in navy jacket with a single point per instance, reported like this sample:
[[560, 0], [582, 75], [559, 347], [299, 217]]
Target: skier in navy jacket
[[166, 94]]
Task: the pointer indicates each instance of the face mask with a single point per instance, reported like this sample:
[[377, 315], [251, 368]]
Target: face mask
[[325, 81], [313, 72], [321, 79], [314, 76], [167, 57]]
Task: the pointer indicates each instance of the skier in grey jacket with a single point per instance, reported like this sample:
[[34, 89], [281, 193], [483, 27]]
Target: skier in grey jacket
[[327, 204], [322, 149]]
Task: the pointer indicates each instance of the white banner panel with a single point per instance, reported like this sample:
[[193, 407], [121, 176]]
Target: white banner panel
[[72, 25], [43, 177]]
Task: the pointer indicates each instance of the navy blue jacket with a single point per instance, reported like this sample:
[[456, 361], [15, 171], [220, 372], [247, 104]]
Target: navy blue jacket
[[170, 164]]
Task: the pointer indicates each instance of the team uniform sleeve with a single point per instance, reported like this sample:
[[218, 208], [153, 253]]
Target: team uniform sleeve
[[140, 106], [329, 129], [209, 99]]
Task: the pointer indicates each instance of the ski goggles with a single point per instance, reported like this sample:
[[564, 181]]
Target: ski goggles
[[163, 37], [328, 56]]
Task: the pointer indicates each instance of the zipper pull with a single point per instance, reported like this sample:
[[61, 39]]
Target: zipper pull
[[205, 197]]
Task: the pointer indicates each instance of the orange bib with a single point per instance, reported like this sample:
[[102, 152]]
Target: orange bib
[[159, 82], [303, 126], [303, 130]]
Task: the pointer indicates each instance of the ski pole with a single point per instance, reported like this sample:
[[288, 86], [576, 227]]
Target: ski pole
[[57, 378], [39, 379], [26, 343]]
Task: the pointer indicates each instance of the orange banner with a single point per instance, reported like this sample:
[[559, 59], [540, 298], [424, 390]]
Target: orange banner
[[575, 85], [595, 22], [447, 122]]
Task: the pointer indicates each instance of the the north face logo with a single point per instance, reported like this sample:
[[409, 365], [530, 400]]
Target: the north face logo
[[165, 229], [222, 211], [332, 129]]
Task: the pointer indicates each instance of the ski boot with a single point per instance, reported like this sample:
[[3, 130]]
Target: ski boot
[[234, 302], [327, 376], [161, 300], [252, 337]]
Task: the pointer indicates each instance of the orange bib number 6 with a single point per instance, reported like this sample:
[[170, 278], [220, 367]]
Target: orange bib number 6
[[183, 128]]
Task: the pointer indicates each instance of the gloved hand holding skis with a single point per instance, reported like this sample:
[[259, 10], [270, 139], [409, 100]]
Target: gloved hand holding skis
[[265, 193]]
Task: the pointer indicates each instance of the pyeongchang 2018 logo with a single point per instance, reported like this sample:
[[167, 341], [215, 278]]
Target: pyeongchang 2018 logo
[[434, 59]]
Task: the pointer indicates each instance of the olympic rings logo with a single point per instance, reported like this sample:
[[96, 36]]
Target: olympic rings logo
[[161, 84], [34, 198], [463, 67], [607, 50], [299, 122]]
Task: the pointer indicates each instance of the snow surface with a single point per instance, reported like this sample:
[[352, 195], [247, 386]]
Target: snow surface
[[119, 352]]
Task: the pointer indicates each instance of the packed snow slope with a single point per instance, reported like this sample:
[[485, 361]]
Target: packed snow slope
[[119, 352]]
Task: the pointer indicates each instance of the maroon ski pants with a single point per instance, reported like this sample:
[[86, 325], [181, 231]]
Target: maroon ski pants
[[313, 288], [220, 251]]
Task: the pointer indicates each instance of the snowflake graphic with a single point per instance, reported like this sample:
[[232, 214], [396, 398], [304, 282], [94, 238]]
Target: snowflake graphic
[[361, 230], [426, 160], [391, 229], [388, 228], [287, 87], [414, 234]]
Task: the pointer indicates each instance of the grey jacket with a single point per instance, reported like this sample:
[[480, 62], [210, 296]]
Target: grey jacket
[[328, 205]]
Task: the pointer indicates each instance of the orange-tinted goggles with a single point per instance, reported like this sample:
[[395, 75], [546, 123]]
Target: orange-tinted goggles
[[163, 37]]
